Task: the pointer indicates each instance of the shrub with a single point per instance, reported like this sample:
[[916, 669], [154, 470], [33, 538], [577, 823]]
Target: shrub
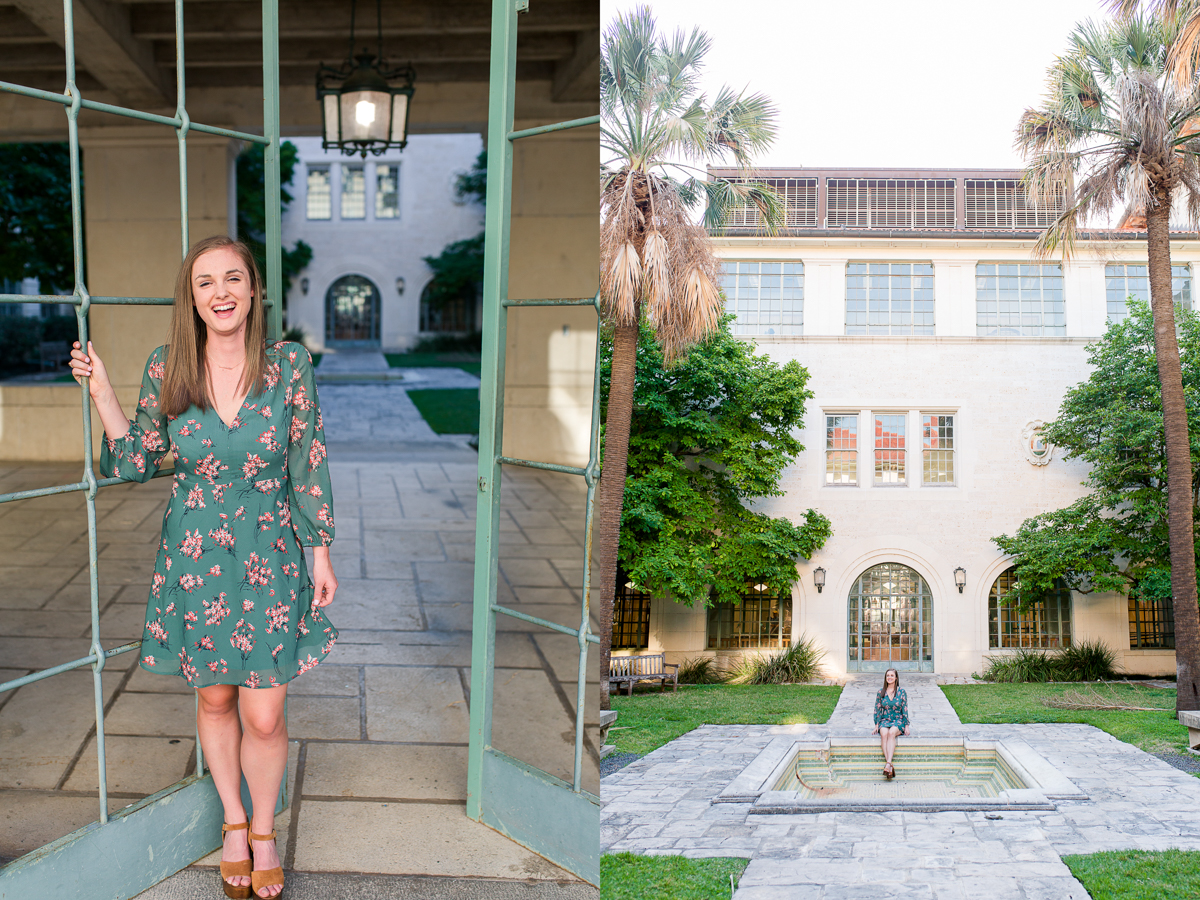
[[700, 670], [19, 339], [1089, 661], [450, 343], [800, 662]]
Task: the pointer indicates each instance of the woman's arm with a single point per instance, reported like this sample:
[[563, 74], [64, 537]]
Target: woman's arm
[[89, 365]]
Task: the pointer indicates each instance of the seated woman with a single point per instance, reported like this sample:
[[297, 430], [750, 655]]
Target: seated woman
[[891, 717]]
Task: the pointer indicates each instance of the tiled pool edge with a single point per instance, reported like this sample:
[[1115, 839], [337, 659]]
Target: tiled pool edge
[[1044, 783]]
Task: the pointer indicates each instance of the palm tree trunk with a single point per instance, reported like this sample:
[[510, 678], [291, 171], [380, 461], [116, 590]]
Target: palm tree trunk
[[1179, 462], [611, 492]]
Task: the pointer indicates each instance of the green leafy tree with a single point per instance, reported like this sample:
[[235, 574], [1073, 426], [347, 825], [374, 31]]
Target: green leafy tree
[[35, 214], [458, 269], [252, 208], [1117, 537], [1116, 128], [709, 436]]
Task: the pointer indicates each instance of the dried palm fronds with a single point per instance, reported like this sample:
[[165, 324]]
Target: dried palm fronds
[[623, 284]]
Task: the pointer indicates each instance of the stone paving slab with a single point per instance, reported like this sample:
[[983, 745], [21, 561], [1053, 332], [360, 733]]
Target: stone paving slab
[[661, 804]]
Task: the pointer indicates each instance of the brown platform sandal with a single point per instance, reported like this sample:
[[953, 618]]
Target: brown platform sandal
[[261, 878], [241, 867]]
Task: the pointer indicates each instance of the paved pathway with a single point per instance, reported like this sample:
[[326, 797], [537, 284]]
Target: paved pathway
[[379, 731], [661, 804]]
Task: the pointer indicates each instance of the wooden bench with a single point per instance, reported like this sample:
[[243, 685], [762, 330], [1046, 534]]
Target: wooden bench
[[651, 667], [1191, 718]]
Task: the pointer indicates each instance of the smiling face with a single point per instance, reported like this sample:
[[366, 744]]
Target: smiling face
[[889, 677], [221, 292]]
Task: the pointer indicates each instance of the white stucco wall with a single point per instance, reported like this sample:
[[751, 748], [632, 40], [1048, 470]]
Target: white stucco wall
[[430, 217], [993, 386]]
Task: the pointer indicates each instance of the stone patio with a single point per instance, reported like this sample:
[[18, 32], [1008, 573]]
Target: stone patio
[[379, 731], [661, 804]]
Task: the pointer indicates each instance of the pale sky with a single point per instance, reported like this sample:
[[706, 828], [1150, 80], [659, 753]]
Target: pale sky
[[927, 83]]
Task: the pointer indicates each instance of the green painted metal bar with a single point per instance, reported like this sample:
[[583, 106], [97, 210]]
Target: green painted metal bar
[[275, 287], [570, 301], [181, 133], [66, 667], [501, 95], [549, 467], [557, 126], [94, 301], [9, 88], [68, 488], [545, 623]]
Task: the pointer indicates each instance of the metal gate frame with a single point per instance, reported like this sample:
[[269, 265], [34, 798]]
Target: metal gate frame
[[121, 855], [560, 821], [855, 604]]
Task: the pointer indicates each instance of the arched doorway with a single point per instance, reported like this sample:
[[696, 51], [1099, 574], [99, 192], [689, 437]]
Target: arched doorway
[[352, 312], [443, 313], [891, 621]]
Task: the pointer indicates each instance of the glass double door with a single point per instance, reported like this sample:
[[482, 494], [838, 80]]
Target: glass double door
[[890, 621]]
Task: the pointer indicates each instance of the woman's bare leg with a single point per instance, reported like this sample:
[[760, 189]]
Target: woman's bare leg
[[220, 737], [264, 760], [889, 736]]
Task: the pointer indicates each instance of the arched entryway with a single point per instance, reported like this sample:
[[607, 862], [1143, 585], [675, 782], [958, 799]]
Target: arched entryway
[[352, 312], [891, 620]]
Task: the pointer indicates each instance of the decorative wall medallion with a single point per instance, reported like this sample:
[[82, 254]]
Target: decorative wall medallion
[[1037, 450]]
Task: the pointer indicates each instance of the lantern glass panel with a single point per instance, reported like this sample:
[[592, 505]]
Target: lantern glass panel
[[330, 102], [399, 117], [365, 116]]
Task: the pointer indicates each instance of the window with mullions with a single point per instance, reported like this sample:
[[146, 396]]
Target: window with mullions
[[766, 297], [889, 298], [1045, 625], [354, 192], [1151, 624], [937, 449], [1122, 281], [760, 620], [631, 616], [1019, 300], [318, 194], [387, 191], [841, 449], [889, 449]]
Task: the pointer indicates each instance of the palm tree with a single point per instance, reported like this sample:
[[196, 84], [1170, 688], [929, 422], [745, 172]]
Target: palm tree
[[1116, 129], [656, 263]]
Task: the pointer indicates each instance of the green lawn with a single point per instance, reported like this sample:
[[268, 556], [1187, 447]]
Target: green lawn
[[1154, 732], [1137, 874], [627, 876], [449, 411], [649, 720], [468, 362]]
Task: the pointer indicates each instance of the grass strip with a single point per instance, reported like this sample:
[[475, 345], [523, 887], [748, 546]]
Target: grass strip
[[468, 362], [449, 410], [1000, 704], [627, 876], [1138, 874], [651, 719]]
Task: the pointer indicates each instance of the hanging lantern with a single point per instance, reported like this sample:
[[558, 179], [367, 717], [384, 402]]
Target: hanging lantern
[[364, 104]]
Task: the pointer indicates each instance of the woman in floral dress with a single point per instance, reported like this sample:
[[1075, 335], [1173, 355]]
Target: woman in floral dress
[[232, 608], [891, 717]]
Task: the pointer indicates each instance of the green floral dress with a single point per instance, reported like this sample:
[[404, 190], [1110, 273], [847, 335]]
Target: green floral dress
[[231, 600], [891, 712]]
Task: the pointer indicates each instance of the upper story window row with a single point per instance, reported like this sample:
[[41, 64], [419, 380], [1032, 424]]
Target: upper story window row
[[351, 187], [962, 203]]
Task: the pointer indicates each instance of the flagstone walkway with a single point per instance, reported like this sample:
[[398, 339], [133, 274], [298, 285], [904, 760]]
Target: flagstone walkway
[[378, 731], [661, 804]]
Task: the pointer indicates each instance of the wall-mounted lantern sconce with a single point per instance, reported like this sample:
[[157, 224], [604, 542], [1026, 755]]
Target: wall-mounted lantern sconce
[[960, 578], [819, 578], [304, 286], [400, 286]]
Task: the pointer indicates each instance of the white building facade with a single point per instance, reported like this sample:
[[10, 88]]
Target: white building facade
[[370, 222], [936, 348]]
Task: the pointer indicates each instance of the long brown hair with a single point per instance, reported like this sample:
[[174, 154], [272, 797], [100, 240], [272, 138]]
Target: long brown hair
[[883, 690], [185, 379]]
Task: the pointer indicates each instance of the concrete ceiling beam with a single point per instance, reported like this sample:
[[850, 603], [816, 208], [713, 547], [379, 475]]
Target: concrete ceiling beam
[[15, 28], [105, 46], [235, 75], [578, 76]]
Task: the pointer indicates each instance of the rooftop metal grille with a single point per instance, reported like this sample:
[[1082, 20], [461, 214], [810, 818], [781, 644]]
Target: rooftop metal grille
[[799, 196], [1002, 203], [890, 203]]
